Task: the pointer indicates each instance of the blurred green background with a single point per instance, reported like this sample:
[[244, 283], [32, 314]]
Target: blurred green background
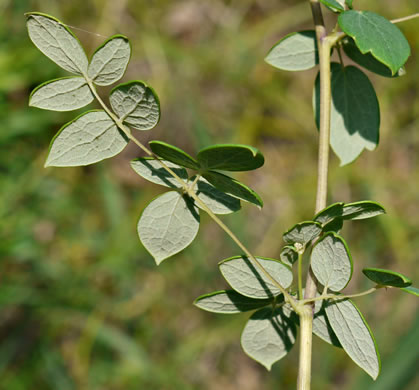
[[84, 307]]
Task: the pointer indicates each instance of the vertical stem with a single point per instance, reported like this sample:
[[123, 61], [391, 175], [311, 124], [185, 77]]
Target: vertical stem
[[306, 332], [300, 276]]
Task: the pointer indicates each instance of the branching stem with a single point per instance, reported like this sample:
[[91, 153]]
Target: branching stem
[[405, 18]]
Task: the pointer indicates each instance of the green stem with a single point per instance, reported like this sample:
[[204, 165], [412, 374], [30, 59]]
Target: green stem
[[306, 333], [341, 297], [300, 276]]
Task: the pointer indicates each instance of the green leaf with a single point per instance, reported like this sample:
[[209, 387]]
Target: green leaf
[[269, 335], [173, 154], [411, 290], [329, 213], [168, 225], [91, 137], [333, 5], [302, 233], [230, 157], [229, 302], [355, 335], [246, 278], [374, 33], [288, 255], [367, 60], [333, 226], [110, 60], [296, 51], [386, 277], [150, 169], [355, 114], [322, 327], [362, 210], [136, 104], [57, 42], [349, 3], [217, 201], [233, 187], [64, 94], [331, 262]]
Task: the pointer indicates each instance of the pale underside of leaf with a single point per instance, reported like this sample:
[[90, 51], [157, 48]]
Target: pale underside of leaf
[[321, 325], [90, 138], [66, 94], [288, 255], [302, 233], [53, 39], [354, 335], [269, 335], [362, 210], [110, 61], [167, 225]]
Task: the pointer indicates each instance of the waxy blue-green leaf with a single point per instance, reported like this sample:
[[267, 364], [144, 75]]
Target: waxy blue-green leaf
[[269, 335], [168, 225], [233, 187], [288, 255], [229, 302], [367, 60], [173, 154], [329, 213], [302, 233], [321, 325], [57, 42], [374, 33], [217, 201], [151, 170], [362, 210], [246, 278], [331, 262], [110, 60], [296, 51], [355, 114], [136, 104], [411, 290], [334, 5], [386, 277], [64, 94], [355, 335], [91, 137], [230, 157]]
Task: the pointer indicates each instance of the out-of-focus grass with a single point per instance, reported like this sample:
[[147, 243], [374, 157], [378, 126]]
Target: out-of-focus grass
[[82, 304]]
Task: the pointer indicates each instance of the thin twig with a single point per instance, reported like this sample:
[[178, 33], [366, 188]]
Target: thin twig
[[405, 18]]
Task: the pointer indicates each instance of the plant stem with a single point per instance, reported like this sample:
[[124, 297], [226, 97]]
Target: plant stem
[[300, 276], [405, 18], [341, 297], [304, 364]]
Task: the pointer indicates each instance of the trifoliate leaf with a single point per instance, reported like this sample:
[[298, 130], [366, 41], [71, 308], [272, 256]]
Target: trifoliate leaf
[[173, 154], [302, 233], [91, 137], [167, 225], [334, 5], [269, 335], [233, 187], [64, 94], [151, 170], [297, 51], [355, 114], [110, 60], [331, 262], [288, 255], [386, 277], [230, 157], [57, 42], [374, 33], [362, 210], [412, 290], [136, 104], [229, 302], [354, 334], [247, 279]]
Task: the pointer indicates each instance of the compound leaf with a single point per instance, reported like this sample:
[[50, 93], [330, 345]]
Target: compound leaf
[[269, 335], [354, 335], [411, 290], [362, 210], [334, 5], [150, 169], [331, 262], [91, 137], [229, 302], [217, 201], [64, 94], [136, 104], [57, 42], [167, 225], [247, 279], [230, 157], [386, 277], [233, 187], [374, 33], [173, 154], [288, 255], [110, 60], [355, 114], [302, 233], [296, 51]]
